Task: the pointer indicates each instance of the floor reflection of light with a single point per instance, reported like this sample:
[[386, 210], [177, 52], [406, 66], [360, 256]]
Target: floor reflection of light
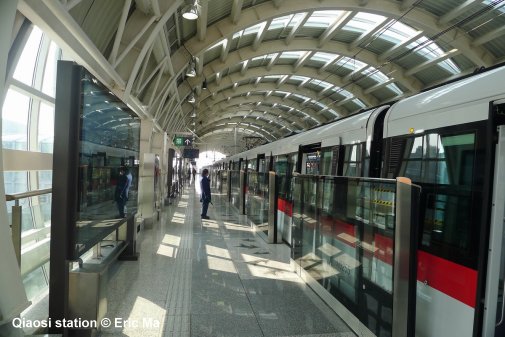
[[235, 227], [216, 251], [210, 224], [182, 204], [167, 251], [347, 237], [270, 269], [178, 220], [256, 260], [145, 315], [169, 246], [171, 240], [179, 215], [219, 264]]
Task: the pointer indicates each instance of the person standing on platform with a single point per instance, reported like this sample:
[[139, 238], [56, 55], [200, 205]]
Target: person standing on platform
[[122, 187], [194, 174], [205, 196]]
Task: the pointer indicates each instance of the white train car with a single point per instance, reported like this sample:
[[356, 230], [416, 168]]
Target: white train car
[[451, 141]]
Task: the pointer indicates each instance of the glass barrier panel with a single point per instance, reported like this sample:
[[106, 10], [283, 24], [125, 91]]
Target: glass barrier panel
[[223, 182], [343, 230], [235, 188], [257, 202]]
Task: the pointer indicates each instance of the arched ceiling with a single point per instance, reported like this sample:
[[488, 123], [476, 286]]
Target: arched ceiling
[[271, 67]]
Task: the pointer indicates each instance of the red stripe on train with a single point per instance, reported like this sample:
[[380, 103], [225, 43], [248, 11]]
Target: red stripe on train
[[285, 206], [452, 279]]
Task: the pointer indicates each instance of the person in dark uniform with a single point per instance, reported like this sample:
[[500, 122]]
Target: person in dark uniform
[[121, 194], [205, 196]]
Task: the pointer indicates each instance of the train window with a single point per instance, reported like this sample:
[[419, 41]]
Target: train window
[[326, 161], [444, 166], [283, 166], [251, 164], [311, 163], [352, 160]]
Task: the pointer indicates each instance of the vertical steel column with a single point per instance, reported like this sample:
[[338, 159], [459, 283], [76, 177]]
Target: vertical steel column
[[17, 219], [228, 186], [241, 193], [405, 262], [273, 236]]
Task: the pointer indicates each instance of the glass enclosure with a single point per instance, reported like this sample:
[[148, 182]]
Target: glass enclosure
[[343, 236], [256, 201], [235, 188]]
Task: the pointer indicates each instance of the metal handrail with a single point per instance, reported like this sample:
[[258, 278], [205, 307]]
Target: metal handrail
[[17, 216], [23, 195]]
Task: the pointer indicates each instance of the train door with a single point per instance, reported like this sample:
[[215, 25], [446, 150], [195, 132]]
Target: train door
[[494, 314], [308, 159]]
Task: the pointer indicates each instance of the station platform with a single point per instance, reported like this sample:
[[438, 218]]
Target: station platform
[[213, 278]]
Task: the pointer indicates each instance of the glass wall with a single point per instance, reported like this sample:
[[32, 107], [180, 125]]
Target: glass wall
[[28, 125]]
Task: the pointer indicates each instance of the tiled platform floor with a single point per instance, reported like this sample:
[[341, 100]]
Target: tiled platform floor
[[212, 278]]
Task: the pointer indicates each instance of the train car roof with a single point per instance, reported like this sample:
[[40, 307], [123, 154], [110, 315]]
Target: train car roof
[[347, 130], [455, 103]]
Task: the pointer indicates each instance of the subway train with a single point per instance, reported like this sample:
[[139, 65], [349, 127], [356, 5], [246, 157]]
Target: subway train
[[450, 140]]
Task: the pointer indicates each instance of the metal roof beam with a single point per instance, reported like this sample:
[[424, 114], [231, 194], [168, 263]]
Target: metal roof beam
[[236, 9], [432, 62], [333, 30], [398, 46], [489, 36], [444, 19], [297, 27], [261, 35], [363, 37]]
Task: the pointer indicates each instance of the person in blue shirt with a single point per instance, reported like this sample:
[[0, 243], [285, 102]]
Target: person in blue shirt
[[205, 197], [123, 186]]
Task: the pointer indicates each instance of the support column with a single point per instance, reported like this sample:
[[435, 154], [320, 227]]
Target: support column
[[146, 208], [157, 142], [13, 298]]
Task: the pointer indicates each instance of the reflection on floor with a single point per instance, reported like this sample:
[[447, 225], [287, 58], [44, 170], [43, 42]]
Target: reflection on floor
[[212, 278]]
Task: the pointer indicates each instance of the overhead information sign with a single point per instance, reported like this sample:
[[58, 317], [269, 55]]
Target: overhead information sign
[[183, 141]]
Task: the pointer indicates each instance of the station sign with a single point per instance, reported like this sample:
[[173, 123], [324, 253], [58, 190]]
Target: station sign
[[183, 141]]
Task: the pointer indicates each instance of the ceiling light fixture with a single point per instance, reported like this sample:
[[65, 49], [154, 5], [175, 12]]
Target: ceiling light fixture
[[191, 72], [191, 98], [191, 12]]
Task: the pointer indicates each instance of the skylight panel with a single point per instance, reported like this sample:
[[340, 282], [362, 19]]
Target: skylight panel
[[393, 87], [375, 74], [351, 64], [319, 104], [323, 57], [358, 102], [322, 84], [299, 78], [398, 33], [363, 22], [450, 66], [430, 50], [218, 44], [296, 19], [273, 76], [322, 19], [300, 96], [342, 92], [254, 29], [291, 54], [280, 23]]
